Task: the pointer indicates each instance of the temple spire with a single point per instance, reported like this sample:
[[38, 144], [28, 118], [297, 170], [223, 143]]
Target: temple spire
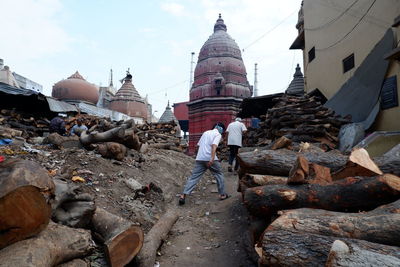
[[219, 25]]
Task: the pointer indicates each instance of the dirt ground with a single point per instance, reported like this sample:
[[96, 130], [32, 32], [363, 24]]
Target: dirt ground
[[208, 232]]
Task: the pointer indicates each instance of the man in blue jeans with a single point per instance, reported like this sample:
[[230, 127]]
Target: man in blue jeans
[[206, 159]]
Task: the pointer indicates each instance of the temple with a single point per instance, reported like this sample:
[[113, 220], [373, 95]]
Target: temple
[[220, 84]]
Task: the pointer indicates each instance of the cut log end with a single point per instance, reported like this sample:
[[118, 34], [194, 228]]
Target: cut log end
[[127, 243], [391, 180]]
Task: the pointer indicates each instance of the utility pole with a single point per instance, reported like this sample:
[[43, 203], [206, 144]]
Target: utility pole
[[255, 81], [191, 72]]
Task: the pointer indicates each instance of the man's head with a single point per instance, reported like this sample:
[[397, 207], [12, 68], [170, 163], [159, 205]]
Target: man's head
[[220, 127], [238, 119], [79, 122]]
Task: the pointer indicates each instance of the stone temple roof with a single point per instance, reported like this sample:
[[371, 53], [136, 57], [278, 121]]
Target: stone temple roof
[[296, 87], [128, 92], [167, 116]]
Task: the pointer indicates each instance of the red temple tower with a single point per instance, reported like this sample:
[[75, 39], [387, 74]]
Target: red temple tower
[[220, 84]]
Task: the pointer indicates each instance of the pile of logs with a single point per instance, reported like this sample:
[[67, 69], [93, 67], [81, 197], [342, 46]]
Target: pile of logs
[[299, 118], [27, 125], [40, 218], [322, 208]]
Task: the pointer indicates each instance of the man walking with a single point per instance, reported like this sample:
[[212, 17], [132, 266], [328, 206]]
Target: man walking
[[206, 159], [235, 132]]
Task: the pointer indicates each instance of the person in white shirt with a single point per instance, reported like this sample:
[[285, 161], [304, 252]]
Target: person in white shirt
[[234, 133], [207, 159]]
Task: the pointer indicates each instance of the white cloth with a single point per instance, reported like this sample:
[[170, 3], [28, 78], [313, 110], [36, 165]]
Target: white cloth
[[208, 138], [235, 130]]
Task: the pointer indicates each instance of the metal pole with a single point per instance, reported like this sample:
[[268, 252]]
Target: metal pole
[[191, 72], [255, 80]]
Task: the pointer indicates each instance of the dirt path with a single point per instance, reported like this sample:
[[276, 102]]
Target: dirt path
[[209, 232]]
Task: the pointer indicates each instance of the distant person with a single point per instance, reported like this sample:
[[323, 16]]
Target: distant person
[[255, 122], [207, 159], [78, 128], [57, 125], [234, 133]]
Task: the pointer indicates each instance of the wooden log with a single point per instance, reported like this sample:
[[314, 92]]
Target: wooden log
[[63, 141], [282, 142], [112, 150], [304, 172], [342, 254], [253, 180], [122, 240], [279, 162], [74, 263], [350, 195], [381, 225], [108, 136], [156, 235], [299, 172], [54, 245], [24, 212], [25, 190], [390, 161], [358, 164], [7, 132], [71, 207], [283, 248]]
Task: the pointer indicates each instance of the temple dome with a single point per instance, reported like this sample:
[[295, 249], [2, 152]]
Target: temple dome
[[296, 87], [75, 88], [127, 100], [220, 70]]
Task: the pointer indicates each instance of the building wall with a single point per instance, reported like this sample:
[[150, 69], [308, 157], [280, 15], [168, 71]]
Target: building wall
[[27, 83], [325, 72], [326, 24]]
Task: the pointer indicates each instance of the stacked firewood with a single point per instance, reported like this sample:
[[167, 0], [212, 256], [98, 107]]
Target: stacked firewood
[[45, 221], [315, 208], [301, 119], [28, 125]]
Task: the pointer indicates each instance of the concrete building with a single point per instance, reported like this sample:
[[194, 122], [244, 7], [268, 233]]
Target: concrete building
[[26, 83], [17, 80], [351, 55], [220, 84]]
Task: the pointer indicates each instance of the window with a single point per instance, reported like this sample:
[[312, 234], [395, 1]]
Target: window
[[311, 54], [348, 63], [389, 98]]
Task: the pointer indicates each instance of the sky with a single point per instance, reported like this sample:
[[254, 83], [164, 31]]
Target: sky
[[48, 40]]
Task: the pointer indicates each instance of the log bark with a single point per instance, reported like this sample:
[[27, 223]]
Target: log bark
[[342, 254], [381, 225], [299, 172], [71, 207], [350, 195], [54, 245], [390, 161], [63, 141], [283, 248], [108, 136], [74, 263], [358, 164], [122, 240], [282, 142], [112, 150], [279, 162], [156, 235], [25, 189]]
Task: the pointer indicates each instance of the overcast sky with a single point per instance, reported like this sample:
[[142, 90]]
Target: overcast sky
[[48, 40]]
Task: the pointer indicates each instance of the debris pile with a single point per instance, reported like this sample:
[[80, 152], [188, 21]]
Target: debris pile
[[300, 119], [317, 208]]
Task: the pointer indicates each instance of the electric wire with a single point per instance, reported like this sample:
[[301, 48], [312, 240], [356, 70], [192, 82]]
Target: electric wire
[[333, 20], [269, 31], [352, 29]]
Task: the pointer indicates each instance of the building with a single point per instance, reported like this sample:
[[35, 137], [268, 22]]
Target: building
[[167, 116], [296, 86], [181, 113], [17, 80], [220, 84], [76, 89], [26, 83], [128, 101], [351, 55], [106, 93]]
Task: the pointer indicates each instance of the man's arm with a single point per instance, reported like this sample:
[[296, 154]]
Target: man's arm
[[213, 152]]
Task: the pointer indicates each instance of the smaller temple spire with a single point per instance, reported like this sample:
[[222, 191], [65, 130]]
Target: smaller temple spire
[[111, 78], [296, 87], [219, 25]]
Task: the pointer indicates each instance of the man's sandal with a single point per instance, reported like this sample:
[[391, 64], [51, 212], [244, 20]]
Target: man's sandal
[[225, 196]]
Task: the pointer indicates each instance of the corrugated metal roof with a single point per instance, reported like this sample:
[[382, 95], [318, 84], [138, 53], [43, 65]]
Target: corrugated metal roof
[[8, 89], [60, 106], [102, 112]]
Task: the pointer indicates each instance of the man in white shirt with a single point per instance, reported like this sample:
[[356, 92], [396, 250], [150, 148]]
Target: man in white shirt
[[235, 132], [206, 159]]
